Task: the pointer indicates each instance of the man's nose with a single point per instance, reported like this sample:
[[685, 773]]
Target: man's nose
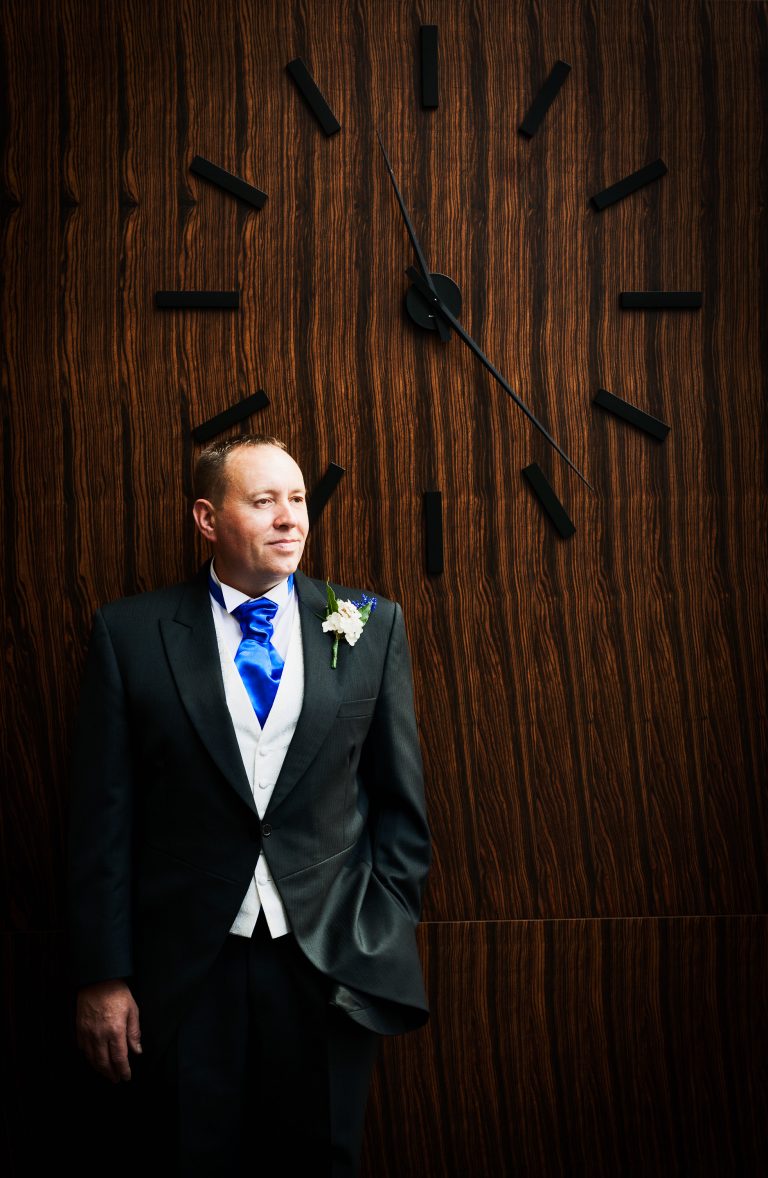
[[287, 515]]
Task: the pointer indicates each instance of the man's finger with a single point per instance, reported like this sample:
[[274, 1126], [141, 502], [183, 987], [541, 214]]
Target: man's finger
[[118, 1055], [134, 1029], [99, 1057]]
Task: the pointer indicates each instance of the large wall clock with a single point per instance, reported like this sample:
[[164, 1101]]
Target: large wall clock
[[432, 300]]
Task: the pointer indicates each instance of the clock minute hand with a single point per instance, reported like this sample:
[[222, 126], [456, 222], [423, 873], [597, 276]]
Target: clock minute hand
[[440, 323], [432, 298]]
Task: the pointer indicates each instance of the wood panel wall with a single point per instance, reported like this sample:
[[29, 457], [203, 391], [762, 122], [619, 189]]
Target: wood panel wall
[[593, 711]]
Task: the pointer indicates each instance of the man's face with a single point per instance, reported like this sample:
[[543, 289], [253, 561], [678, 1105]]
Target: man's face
[[260, 527]]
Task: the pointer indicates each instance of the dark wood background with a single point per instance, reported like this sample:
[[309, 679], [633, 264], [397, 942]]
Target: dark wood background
[[593, 711]]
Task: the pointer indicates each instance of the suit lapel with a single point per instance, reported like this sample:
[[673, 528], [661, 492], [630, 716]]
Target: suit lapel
[[193, 653], [322, 689]]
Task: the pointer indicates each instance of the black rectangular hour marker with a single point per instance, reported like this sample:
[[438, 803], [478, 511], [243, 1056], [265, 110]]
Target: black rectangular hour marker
[[662, 300], [549, 500], [544, 99], [312, 96], [189, 299], [433, 520], [629, 412], [229, 182], [629, 184], [236, 413], [428, 45], [322, 491]]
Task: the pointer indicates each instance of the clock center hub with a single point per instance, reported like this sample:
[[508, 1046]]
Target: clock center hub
[[420, 311]]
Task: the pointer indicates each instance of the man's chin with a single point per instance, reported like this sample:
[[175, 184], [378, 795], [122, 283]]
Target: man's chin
[[285, 563]]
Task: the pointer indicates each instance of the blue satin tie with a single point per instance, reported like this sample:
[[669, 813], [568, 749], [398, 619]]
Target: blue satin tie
[[258, 662]]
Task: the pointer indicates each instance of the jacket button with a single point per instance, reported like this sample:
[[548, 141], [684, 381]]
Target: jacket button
[[266, 829]]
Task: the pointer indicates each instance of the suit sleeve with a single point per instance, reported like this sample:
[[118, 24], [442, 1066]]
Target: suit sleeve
[[400, 837], [100, 831]]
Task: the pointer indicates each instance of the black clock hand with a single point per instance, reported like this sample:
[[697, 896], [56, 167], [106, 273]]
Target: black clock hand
[[434, 300], [440, 323]]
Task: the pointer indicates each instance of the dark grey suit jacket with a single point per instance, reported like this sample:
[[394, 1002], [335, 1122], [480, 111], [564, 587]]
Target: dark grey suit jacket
[[164, 831]]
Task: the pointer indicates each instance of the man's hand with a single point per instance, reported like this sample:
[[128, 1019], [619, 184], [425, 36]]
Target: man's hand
[[106, 1025]]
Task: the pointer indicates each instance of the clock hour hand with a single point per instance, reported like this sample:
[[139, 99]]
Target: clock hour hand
[[440, 323], [435, 301]]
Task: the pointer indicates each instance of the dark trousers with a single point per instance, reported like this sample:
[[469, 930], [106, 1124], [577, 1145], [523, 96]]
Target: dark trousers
[[263, 1076]]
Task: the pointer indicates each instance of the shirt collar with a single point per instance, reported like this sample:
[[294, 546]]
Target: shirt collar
[[280, 593]]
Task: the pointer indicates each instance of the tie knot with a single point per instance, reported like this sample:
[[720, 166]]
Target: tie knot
[[255, 617]]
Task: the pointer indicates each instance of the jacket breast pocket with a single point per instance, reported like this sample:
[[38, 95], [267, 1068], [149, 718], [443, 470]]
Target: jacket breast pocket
[[357, 707]]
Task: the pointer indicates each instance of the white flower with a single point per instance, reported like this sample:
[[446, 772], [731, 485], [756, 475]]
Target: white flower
[[345, 619], [345, 622]]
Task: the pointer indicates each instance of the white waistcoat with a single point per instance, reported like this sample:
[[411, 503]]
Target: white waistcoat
[[263, 752]]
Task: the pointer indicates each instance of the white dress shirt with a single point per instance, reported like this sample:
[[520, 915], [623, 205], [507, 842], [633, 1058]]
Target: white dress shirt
[[262, 749]]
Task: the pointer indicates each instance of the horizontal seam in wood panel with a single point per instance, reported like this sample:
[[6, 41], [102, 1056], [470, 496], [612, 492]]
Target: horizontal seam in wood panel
[[610, 919]]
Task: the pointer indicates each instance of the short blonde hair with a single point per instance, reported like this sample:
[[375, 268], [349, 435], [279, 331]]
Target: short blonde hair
[[209, 480]]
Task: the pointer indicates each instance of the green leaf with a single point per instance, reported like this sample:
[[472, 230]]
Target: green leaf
[[365, 612], [333, 604]]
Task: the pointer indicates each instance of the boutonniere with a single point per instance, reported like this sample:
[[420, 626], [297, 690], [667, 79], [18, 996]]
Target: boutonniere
[[345, 619]]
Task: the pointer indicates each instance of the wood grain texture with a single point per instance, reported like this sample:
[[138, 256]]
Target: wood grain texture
[[559, 1048], [593, 711]]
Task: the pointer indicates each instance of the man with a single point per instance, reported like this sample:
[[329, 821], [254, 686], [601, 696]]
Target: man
[[248, 841]]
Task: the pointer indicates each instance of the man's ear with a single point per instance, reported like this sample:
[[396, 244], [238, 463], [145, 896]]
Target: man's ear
[[205, 518]]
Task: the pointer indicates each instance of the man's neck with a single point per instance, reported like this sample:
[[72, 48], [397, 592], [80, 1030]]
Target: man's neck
[[250, 589]]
